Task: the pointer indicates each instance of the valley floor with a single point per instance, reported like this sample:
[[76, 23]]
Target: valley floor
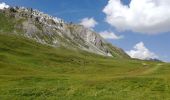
[[32, 71]]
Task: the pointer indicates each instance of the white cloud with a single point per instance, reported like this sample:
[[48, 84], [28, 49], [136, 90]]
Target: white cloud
[[3, 5], [143, 16], [110, 35], [141, 52], [88, 22]]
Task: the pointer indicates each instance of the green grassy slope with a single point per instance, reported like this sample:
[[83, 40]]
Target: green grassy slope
[[32, 71], [6, 24]]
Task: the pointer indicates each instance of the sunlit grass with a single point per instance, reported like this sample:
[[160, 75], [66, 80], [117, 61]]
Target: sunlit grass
[[29, 70]]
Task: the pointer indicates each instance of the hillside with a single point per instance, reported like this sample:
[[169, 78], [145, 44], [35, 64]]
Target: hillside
[[55, 32], [30, 70]]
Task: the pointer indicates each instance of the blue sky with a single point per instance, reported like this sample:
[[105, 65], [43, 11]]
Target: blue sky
[[76, 10]]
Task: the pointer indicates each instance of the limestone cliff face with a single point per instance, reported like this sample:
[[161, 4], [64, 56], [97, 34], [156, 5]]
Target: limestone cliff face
[[54, 31]]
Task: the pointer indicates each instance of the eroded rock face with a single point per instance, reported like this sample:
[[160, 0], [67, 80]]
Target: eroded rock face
[[54, 31]]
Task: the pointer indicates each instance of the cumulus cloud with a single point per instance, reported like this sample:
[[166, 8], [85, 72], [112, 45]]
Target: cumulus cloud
[[88, 22], [143, 16], [141, 52], [110, 35], [3, 5]]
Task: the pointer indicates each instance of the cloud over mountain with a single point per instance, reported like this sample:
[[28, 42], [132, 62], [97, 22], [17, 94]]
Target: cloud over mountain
[[110, 35], [88, 22], [141, 52], [3, 5], [143, 16]]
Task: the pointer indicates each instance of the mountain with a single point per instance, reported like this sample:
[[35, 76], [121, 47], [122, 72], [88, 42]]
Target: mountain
[[30, 70], [53, 31], [151, 59]]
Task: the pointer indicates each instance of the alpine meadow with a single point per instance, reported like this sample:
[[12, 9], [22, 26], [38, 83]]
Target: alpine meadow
[[44, 57]]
